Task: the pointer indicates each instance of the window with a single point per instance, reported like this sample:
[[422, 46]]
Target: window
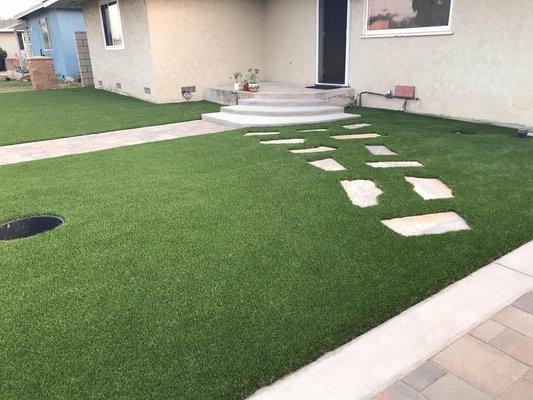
[[407, 17], [20, 39], [112, 25], [45, 34]]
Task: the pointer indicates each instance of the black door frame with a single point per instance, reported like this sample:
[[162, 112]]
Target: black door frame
[[319, 53]]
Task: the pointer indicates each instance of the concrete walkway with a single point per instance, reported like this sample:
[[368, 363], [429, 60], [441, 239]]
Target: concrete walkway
[[24, 152], [493, 361], [467, 368]]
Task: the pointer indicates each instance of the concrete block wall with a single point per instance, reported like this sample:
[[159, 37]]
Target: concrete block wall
[[42, 73], [84, 59]]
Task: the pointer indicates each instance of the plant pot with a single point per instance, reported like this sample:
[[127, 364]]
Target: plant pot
[[245, 86], [254, 87], [522, 133], [237, 87]]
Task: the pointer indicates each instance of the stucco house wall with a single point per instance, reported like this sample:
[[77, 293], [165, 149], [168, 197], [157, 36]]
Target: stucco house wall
[[290, 40], [202, 42], [482, 71], [62, 23], [131, 67], [8, 41]]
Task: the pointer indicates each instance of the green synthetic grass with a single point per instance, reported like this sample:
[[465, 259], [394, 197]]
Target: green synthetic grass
[[14, 86], [208, 267], [32, 116]]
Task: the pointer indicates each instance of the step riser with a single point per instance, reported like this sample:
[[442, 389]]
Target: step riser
[[283, 103], [236, 120], [268, 113]]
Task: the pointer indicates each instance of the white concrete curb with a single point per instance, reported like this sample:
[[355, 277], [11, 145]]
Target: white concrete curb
[[373, 361]]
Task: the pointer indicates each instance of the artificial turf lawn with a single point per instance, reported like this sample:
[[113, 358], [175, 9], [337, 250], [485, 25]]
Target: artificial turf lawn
[[53, 114], [207, 267], [14, 86]]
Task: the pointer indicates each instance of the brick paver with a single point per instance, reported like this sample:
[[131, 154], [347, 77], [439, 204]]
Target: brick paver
[[494, 361], [24, 152]]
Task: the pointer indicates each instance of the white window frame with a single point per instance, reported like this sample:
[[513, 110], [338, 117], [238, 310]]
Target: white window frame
[[47, 31], [425, 31], [115, 47]]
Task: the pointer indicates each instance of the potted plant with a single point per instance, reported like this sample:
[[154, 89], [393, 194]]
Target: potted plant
[[238, 78], [253, 79], [3, 56]]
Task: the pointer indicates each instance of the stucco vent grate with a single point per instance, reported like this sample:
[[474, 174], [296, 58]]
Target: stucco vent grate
[[119, 85], [147, 90]]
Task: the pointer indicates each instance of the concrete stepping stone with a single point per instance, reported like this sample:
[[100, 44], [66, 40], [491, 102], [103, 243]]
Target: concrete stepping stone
[[328, 164], [284, 141], [314, 130], [357, 136], [395, 164], [319, 149], [430, 224], [362, 193], [261, 133], [430, 189], [356, 126], [380, 151]]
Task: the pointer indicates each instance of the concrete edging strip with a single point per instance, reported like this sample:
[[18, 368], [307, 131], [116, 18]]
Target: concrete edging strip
[[368, 364]]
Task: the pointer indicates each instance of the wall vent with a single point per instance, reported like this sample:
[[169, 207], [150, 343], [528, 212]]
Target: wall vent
[[147, 90], [191, 89], [100, 83], [119, 85]]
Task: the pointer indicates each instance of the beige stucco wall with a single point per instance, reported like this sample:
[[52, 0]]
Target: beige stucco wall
[[131, 66], [482, 71], [290, 45], [8, 41], [202, 42]]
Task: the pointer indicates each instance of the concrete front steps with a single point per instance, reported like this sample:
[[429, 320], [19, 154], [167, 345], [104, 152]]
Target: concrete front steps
[[259, 112]]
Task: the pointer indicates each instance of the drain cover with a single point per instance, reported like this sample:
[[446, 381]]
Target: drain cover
[[30, 226]]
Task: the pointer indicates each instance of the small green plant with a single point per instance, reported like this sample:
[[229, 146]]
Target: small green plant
[[3, 53], [238, 77], [252, 76]]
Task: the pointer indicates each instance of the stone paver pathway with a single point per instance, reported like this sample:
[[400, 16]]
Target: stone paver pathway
[[430, 224], [494, 361], [365, 193], [357, 136], [430, 189], [319, 149], [356, 126], [24, 152], [395, 164], [328, 164], [284, 141], [362, 193], [261, 133], [380, 151], [314, 130]]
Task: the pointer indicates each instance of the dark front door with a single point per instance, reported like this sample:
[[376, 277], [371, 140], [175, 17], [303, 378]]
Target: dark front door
[[333, 20]]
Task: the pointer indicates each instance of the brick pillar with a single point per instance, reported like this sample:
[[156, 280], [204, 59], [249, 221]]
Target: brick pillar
[[42, 73], [84, 59]]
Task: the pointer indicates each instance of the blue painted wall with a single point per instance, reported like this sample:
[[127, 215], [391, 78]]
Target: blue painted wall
[[61, 26]]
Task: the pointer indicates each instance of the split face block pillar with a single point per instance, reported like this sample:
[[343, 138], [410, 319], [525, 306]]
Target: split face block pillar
[[84, 58], [42, 73]]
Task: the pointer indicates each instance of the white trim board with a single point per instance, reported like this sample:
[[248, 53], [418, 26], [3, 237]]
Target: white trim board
[[373, 361]]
